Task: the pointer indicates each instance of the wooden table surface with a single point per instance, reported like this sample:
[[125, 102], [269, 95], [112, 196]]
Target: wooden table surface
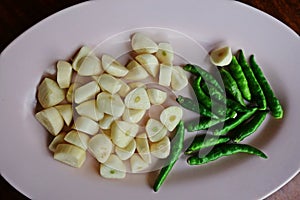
[[15, 18]]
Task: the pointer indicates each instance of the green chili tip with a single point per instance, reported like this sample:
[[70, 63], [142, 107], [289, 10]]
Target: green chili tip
[[225, 150], [176, 148], [272, 101]]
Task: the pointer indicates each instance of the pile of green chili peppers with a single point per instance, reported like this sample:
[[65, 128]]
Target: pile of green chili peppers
[[229, 113]]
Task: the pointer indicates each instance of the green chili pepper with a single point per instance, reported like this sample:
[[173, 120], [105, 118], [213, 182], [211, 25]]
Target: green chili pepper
[[221, 103], [196, 107], [231, 86], [205, 140], [225, 150], [237, 73], [255, 89], [209, 78], [233, 123], [272, 101], [162, 176], [213, 92], [201, 96], [244, 130], [177, 142], [220, 97], [236, 106], [176, 148], [204, 123], [217, 109], [204, 92]]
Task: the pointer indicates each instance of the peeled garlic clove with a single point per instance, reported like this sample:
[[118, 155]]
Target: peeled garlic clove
[[165, 53], [84, 51], [126, 152], [136, 71], [58, 139], [77, 138], [64, 74], [165, 75], [106, 121], [70, 155], [137, 163], [155, 130], [109, 83], [161, 149], [141, 43], [179, 79], [100, 146], [123, 132], [133, 115], [132, 64], [113, 168], [221, 56], [89, 66], [111, 104], [86, 92], [113, 67], [124, 89], [66, 112], [149, 62], [137, 84], [142, 147], [156, 96], [90, 110], [69, 95], [137, 99], [86, 125], [49, 93], [171, 116], [108, 134], [51, 120]]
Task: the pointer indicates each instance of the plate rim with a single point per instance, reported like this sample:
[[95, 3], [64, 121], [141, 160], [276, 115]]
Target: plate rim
[[68, 9]]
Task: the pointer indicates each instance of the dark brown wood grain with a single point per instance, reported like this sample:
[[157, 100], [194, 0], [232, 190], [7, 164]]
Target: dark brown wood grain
[[286, 11], [17, 16]]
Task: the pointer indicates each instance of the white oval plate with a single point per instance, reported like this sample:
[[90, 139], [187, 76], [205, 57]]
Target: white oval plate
[[26, 162]]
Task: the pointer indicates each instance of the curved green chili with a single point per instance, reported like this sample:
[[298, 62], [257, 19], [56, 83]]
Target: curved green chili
[[177, 142], [176, 148], [209, 78], [233, 123], [213, 92], [222, 102], [205, 140], [217, 109], [237, 73], [231, 86], [247, 129], [204, 123], [236, 106], [194, 106], [225, 150], [255, 89], [272, 101], [201, 96], [222, 98]]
